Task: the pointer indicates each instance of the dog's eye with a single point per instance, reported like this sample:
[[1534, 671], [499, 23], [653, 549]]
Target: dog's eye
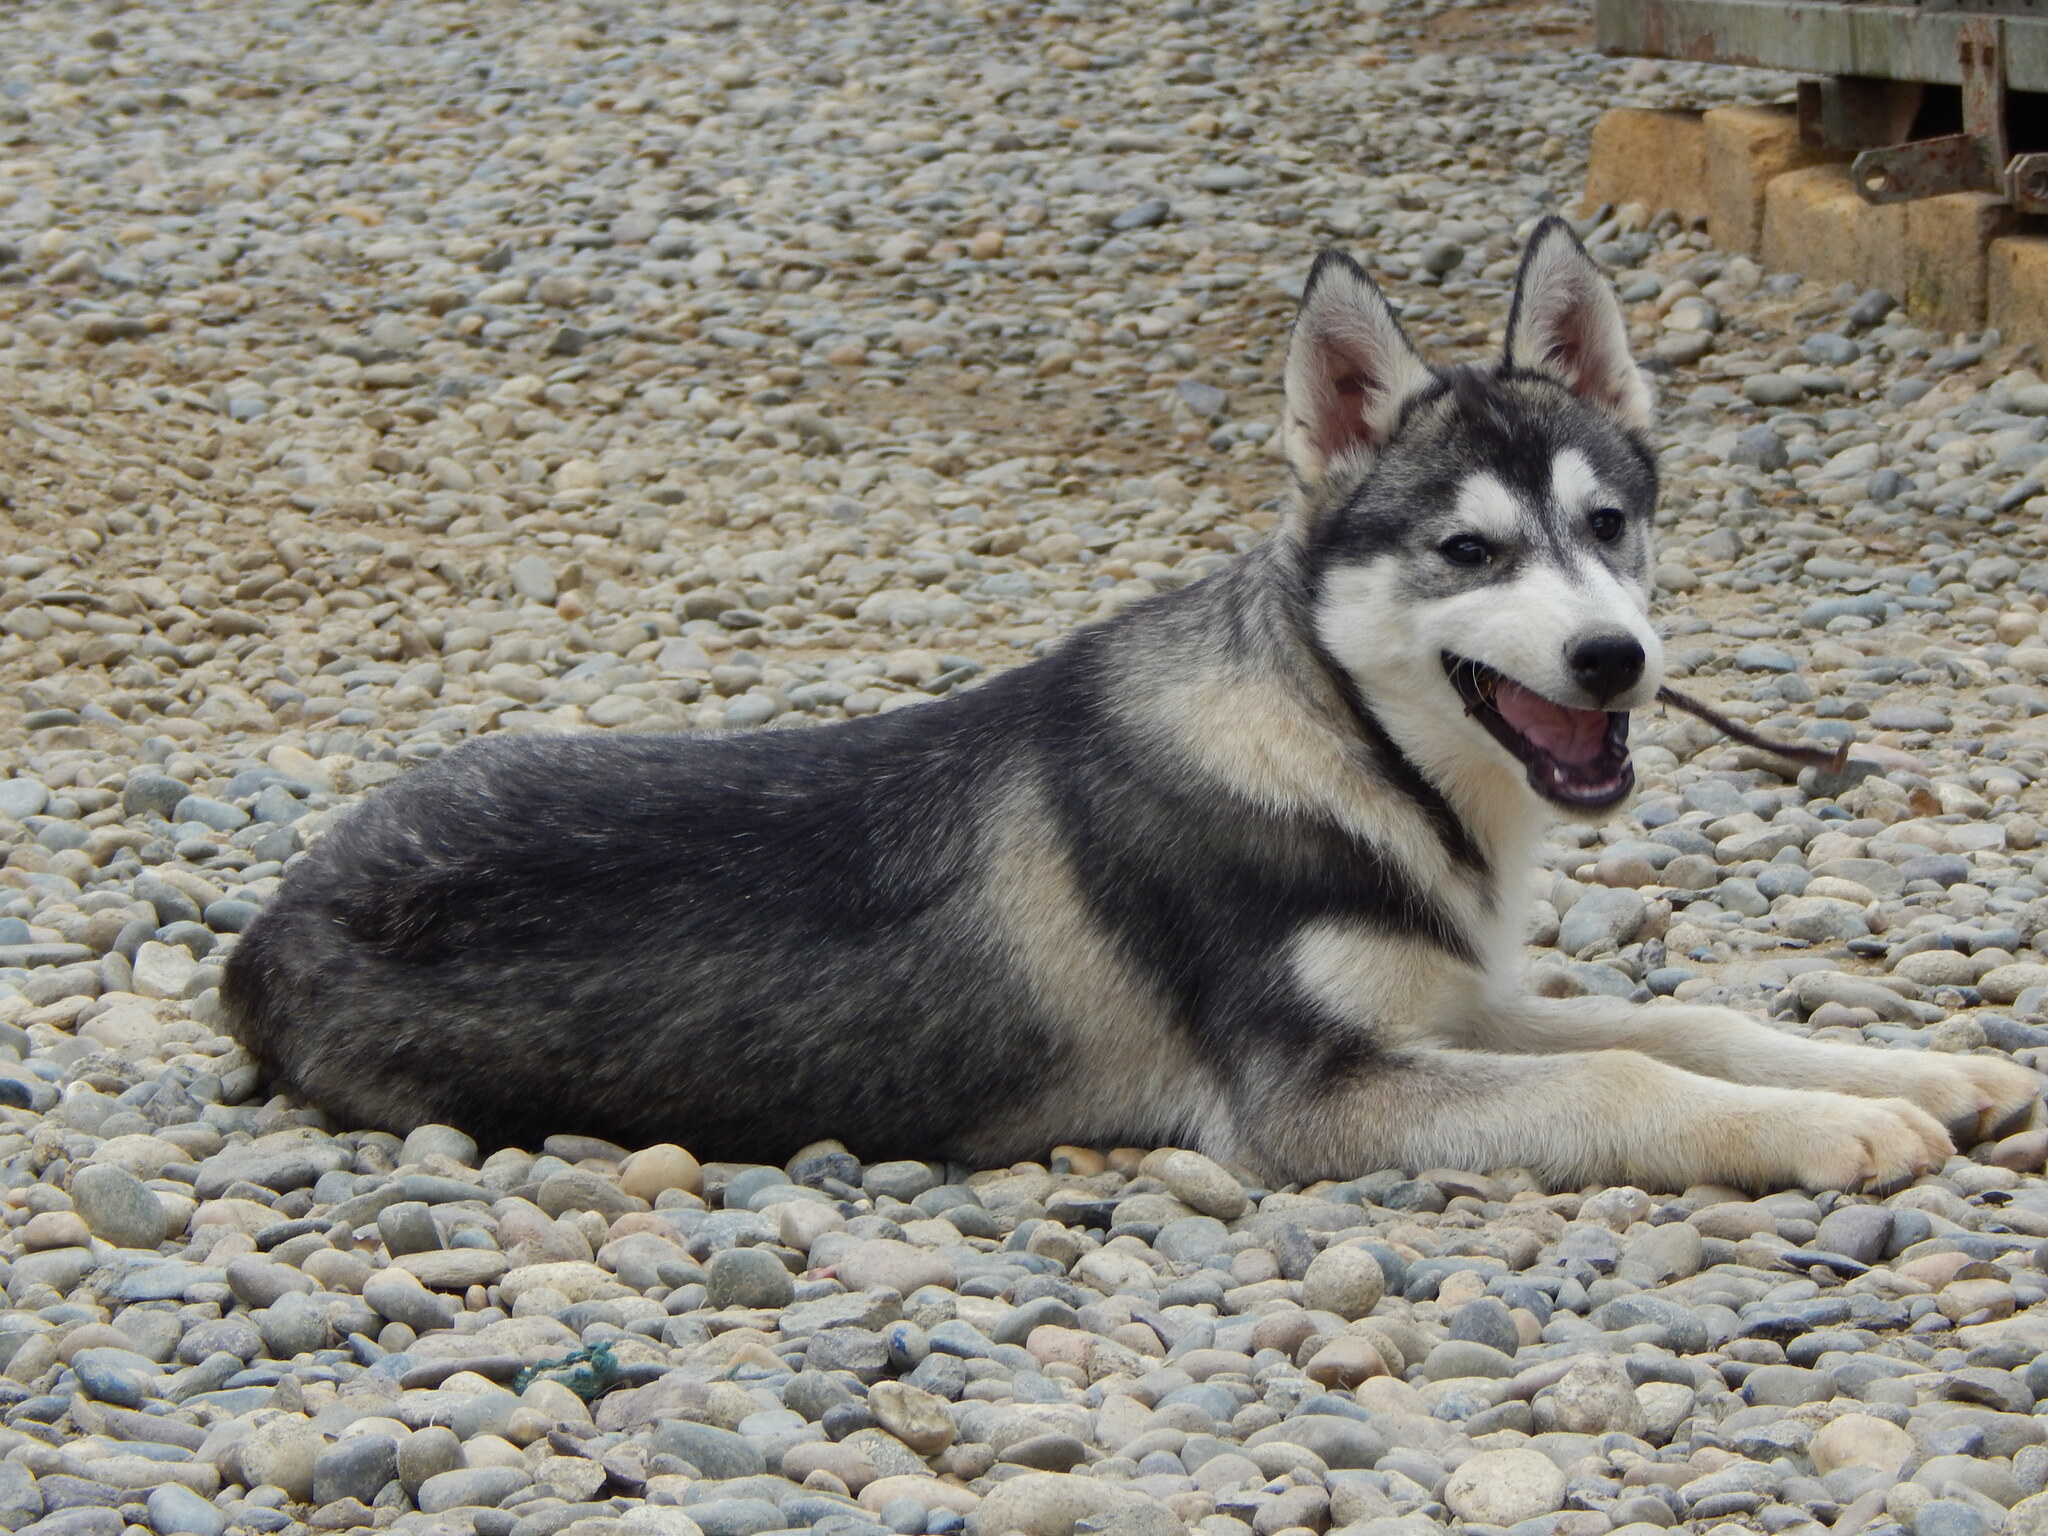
[[1607, 525], [1465, 550]]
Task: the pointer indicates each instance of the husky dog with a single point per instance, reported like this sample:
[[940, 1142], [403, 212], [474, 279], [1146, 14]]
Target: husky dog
[[1243, 869]]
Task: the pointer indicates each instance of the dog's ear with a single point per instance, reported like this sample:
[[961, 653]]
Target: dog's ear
[[1567, 324], [1350, 369]]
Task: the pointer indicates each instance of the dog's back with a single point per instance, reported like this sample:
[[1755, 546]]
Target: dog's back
[[651, 937]]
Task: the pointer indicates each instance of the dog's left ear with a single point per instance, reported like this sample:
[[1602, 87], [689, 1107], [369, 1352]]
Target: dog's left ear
[[1566, 323]]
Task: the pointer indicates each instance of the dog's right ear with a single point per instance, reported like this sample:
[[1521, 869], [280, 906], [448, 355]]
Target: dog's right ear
[[1350, 370]]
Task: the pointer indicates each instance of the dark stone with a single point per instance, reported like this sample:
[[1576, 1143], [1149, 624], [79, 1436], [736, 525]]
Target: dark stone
[[355, 1467], [1142, 215], [1485, 1320], [716, 1452]]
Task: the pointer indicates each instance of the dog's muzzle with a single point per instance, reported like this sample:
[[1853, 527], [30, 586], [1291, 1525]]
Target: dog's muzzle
[[1576, 758]]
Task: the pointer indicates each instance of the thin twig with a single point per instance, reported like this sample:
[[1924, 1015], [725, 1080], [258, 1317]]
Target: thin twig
[[1818, 757]]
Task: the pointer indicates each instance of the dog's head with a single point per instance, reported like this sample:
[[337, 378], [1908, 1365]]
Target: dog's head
[[1477, 540]]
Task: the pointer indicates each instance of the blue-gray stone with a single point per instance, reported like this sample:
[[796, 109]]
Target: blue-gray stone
[[178, 1511], [907, 1516], [354, 1467], [31, 956], [860, 1350], [1342, 1443], [61, 836], [941, 1375], [1869, 605], [1486, 1320], [115, 1376], [1684, 1333], [1909, 717], [749, 1277], [903, 1179], [1046, 1311], [1760, 448], [293, 1325], [736, 1517], [1830, 350], [1455, 1358], [1782, 1320], [22, 798], [1945, 869], [167, 1280], [486, 1486], [1143, 215], [153, 794], [230, 915], [948, 1338], [1764, 658], [82, 1520], [217, 814], [277, 805], [20, 1500], [172, 905], [1603, 917], [717, 1453], [1951, 1517]]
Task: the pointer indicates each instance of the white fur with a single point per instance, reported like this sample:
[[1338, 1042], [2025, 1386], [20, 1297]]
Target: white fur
[[1567, 324], [1487, 508], [1345, 335]]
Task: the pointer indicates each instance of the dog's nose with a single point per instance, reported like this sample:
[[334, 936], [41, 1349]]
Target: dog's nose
[[1605, 665]]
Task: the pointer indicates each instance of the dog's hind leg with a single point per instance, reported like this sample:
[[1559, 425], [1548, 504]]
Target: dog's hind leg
[[1971, 1094], [1579, 1117]]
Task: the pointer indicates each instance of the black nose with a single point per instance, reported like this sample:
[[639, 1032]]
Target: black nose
[[1605, 665]]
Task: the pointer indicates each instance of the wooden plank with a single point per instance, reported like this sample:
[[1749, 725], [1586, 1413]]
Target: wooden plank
[[1822, 37]]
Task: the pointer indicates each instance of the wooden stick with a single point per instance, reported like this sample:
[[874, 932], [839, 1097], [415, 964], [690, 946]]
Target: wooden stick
[[1818, 757]]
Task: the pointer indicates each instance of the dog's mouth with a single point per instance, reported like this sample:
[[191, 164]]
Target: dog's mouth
[[1575, 757]]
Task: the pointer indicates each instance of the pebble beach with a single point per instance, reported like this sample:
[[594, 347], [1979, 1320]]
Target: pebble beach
[[375, 377]]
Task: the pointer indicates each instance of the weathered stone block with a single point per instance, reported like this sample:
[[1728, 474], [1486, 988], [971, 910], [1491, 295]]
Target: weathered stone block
[[1816, 225], [1948, 243], [1658, 159], [2016, 288], [1745, 149]]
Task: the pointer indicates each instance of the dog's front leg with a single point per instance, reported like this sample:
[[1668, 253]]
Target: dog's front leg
[[1971, 1094], [1578, 1117]]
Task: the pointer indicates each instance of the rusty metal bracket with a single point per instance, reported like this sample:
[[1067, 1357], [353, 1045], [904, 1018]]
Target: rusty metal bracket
[[1974, 160], [2026, 183]]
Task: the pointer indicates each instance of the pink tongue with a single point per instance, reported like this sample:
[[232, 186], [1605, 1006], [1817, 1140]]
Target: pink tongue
[[1576, 736]]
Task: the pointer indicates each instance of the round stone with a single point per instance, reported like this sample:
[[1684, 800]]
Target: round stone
[[1204, 1184], [438, 1141], [118, 1207], [1487, 1320], [1860, 1440], [1772, 389], [749, 1277], [1344, 1280], [1505, 1487], [1594, 1398], [175, 1510], [915, 1417], [653, 1171]]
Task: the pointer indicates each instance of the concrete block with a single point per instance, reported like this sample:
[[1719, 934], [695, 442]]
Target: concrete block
[[2016, 299], [1948, 241], [1658, 159], [1746, 148], [1816, 225]]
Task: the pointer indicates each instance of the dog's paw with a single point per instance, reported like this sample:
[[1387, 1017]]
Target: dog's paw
[[1838, 1142], [1972, 1095]]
